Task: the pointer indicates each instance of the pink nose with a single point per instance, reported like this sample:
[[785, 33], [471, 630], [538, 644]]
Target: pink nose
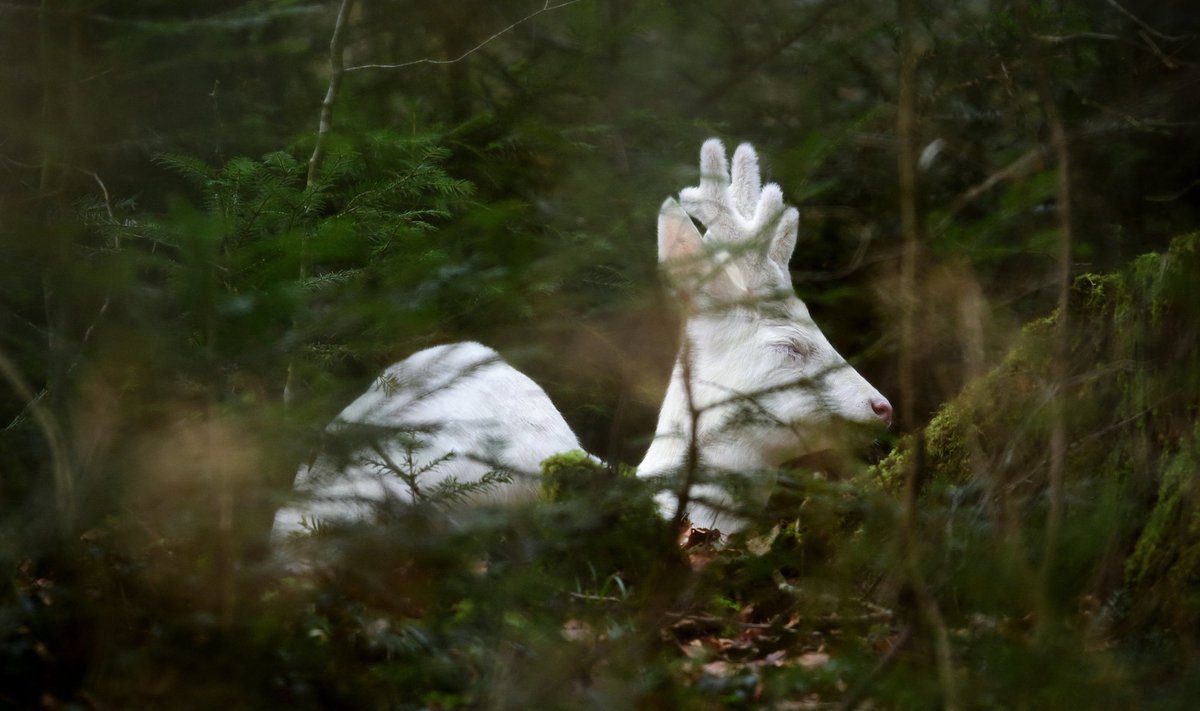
[[883, 408]]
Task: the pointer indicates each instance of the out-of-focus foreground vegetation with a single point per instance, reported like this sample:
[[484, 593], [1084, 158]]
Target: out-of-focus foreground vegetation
[[171, 266]]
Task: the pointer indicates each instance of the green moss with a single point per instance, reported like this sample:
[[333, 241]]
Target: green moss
[[1163, 572], [571, 473], [945, 440], [889, 472], [1131, 400]]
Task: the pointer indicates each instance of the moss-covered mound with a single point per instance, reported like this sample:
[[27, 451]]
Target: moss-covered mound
[[1129, 544]]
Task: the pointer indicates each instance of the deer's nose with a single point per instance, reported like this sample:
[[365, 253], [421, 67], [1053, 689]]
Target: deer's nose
[[882, 408]]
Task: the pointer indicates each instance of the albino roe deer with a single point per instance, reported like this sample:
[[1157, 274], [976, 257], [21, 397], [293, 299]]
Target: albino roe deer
[[445, 417], [755, 384]]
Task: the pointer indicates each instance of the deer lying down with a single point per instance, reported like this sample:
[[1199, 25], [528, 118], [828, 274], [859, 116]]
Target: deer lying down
[[755, 384], [450, 422]]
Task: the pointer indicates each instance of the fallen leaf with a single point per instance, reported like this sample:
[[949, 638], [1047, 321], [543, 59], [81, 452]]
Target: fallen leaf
[[760, 545], [576, 631], [692, 537]]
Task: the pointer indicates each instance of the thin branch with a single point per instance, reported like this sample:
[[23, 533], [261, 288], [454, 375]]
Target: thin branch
[[745, 69], [859, 692], [856, 262], [1162, 57], [595, 598], [1062, 39], [107, 201], [1028, 161], [910, 223], [64, 489], [1169, 197], [1147, 125], [692, 459], [1147, 28], [1059, 374], [337, 67], [427, 60], [220, 20]]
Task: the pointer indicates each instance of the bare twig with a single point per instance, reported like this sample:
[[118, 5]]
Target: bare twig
[[909, 221], [428, 60], [692, 459], [1169, 197], [1061, 39], [1027, 162], [220, 20], [64, 490], [1162, 57], [337, 67], [859, 692], [595, 598], [1059, 374], [107, 202], [745, 69], [1147, 124], [1147, 28], [855, 263], [911, 228]]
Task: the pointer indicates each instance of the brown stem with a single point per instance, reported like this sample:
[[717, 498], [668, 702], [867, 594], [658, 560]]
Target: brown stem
[[910, 224], [1059, 371], [64, 490], [547, 7], [751, 67], [692, 459], [337, 69]]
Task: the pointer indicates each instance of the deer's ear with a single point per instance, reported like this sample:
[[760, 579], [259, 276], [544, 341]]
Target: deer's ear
[[679, 241], [695, 273], [783, 242]]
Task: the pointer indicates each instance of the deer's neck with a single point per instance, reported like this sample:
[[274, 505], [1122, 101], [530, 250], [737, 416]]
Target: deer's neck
[[684, 421], [691, 422]]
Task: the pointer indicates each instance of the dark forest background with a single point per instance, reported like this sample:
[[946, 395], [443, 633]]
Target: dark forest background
[[998, 229]]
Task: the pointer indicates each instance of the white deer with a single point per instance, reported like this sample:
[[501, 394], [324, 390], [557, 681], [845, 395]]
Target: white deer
[[755, 384], [449, 416]]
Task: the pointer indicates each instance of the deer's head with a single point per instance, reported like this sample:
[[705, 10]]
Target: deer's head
[[768, 384]]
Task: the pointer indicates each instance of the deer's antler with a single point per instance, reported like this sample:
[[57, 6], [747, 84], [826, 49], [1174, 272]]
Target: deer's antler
[[737, 208]]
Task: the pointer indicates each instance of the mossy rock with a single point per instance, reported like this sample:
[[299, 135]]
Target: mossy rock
[[1163, 573], [572, 473], [599, 520], [1131, 520]]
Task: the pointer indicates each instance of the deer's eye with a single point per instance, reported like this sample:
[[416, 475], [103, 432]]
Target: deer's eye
[[795, 349]]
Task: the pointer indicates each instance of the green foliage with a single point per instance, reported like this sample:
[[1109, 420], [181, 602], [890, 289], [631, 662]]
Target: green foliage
[[573, 475], [171, 272], [1125, 556]]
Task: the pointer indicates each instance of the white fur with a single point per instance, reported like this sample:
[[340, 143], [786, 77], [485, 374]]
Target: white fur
[[468, 403], [765, 384]]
